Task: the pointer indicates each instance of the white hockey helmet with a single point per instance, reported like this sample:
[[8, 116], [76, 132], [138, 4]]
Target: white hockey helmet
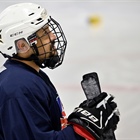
[[22, 21], [19, 21]]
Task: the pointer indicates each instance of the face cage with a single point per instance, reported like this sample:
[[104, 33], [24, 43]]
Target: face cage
[[60, 44]]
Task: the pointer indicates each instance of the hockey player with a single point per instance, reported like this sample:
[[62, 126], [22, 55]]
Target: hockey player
[[30, 108]]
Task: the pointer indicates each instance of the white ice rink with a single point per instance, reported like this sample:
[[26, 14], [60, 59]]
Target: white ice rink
[[112, 50]]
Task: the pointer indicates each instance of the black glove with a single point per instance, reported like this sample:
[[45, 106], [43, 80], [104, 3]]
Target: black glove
[[96, 116]]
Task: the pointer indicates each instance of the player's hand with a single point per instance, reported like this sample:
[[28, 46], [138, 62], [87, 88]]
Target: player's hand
[[96, 116]]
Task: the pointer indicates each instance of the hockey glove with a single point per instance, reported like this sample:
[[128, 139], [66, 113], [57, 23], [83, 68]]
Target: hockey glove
[[94, 117]]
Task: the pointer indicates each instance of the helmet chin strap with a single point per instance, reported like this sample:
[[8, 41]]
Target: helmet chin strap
[[5, 55], [31, 58], [49, 62]]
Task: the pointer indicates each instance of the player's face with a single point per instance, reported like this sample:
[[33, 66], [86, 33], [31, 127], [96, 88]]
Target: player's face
[[45, 43]]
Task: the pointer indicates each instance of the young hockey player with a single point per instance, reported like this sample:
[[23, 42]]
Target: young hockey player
[[30, 107]]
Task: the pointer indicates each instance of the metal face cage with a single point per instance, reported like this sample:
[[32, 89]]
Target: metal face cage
[[59, 42]]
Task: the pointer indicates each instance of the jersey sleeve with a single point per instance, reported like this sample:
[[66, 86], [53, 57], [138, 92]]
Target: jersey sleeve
[[20, 120]]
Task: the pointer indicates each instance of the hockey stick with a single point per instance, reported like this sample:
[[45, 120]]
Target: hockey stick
[[91, 87]]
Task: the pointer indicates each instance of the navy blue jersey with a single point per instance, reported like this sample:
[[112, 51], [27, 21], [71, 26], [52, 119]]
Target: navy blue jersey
[[29, 105]]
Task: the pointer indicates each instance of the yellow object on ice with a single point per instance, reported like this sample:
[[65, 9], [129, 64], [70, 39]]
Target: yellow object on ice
[[94, 20]]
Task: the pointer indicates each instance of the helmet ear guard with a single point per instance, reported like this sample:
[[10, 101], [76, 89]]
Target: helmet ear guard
[[22, 45], [33, 18]]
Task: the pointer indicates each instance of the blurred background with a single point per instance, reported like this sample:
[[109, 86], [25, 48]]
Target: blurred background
[[103, 37]]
